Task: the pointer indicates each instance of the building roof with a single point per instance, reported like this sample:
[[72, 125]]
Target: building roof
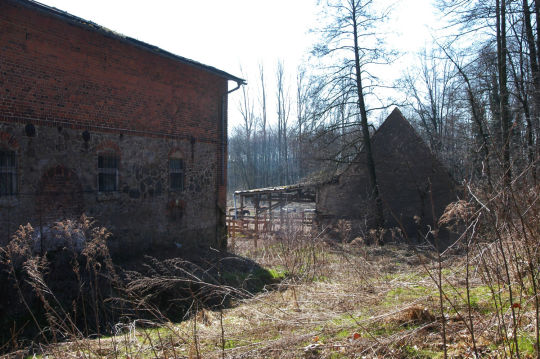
[[77, 21], [276, 189]]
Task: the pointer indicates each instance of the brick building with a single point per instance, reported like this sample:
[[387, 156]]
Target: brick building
[[98, 123], [413, 183]]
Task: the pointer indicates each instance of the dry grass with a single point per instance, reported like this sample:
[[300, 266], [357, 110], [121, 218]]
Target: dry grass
[[339, 300], [371, 302]]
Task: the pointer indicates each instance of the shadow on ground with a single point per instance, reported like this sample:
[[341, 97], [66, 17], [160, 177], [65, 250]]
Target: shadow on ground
[[65, 294]]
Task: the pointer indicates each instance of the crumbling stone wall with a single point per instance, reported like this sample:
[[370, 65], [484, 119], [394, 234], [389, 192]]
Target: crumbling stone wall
[[58, 170], [415, 187]]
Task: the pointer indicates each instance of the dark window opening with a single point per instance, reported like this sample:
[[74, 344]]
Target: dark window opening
[[8, 173], [176, 174], [107, 173]]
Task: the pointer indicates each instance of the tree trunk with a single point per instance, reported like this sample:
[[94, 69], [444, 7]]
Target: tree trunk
[[265, 181], [379, 215], [502, 52], [536, 84]]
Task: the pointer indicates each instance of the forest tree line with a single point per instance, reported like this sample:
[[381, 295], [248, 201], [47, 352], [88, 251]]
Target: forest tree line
[[473, 95]]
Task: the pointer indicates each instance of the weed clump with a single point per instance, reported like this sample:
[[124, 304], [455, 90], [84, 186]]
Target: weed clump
[[64, 291]]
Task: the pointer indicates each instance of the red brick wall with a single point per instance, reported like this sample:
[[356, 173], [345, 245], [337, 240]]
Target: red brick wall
[[58, 74], [53, 70]]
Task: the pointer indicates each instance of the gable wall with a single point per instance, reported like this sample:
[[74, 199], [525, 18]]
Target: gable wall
[[55, 71], [406, 171], [65, 80]]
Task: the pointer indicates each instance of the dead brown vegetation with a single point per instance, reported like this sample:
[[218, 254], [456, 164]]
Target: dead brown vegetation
[[321, 298]]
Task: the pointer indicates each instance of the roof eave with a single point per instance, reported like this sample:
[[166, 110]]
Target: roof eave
[[77, 21]]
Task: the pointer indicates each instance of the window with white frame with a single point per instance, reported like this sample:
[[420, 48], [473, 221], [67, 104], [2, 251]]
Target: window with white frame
[[8, 173], [107, 172], [176, 174]]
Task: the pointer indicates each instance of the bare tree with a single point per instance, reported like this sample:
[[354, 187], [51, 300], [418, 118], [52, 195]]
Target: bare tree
[[477, 112], [430, 87], [302, 98], [503, 30], [447, 107], [283, 112], [350, 37], [265, 163], [246, 110], [504, 106]]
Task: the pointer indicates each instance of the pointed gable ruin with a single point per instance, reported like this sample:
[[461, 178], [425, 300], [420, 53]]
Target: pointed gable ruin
[[413, 184]]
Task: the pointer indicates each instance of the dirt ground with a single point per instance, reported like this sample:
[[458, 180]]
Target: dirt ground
[[331, 300]]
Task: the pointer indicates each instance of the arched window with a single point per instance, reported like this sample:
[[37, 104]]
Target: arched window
[[8, 172]]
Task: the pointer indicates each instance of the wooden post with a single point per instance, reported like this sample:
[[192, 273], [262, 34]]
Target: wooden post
[[257, 203], [233, 237], [241, 206], [270, 210], [257, 208], [281, 211]]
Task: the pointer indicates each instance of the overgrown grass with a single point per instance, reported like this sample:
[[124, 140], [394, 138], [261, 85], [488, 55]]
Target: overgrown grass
[[341, 317], [314, 298]]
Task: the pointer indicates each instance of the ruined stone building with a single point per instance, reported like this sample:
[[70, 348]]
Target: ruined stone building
[[413, 184], [98, 123]]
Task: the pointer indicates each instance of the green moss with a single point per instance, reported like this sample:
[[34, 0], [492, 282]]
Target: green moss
[[413, 352], [254, 280], [526, 343], [405, 294], [480, 298], [340, 322], [405, 276], [278, 273], [387, 329], [336, 355], [154, 335], [447, 272], [231, 343]]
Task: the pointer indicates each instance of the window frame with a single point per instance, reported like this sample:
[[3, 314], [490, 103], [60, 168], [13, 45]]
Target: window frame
[[10, 170], [175, 172], [108, 171]]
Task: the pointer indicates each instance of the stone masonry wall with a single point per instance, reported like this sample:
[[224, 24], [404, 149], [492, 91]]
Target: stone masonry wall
[[57, 175], [412, 182]]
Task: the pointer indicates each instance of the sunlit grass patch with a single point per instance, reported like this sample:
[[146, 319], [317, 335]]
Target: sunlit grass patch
[[418, 353]]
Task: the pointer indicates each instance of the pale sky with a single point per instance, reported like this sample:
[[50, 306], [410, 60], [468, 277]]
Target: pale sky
[[233, 33]]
